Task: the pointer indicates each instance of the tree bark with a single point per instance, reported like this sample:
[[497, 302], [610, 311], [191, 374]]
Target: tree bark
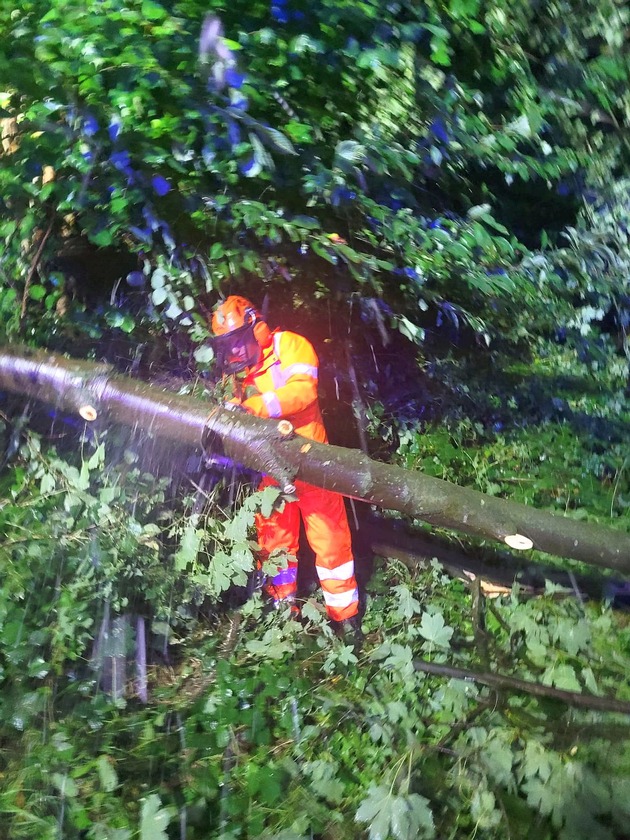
[[94, 390]]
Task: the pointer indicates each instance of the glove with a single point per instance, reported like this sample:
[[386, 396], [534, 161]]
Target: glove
[[234, 405]]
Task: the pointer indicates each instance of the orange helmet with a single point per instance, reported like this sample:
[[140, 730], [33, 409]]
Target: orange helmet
[[240, 332], [232, 314]]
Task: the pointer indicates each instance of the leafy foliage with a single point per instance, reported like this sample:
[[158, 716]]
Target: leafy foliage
[[285, 731], [155, 132]]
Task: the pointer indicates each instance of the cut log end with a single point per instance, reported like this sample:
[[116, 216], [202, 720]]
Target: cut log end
[[518, 541], [88, 412], [285, 428]]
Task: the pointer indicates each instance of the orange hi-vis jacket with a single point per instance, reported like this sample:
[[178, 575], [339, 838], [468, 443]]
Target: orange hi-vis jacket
[[286, 378], [286, 381]]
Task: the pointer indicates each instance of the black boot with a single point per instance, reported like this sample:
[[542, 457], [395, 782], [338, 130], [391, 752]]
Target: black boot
[[349, 631]]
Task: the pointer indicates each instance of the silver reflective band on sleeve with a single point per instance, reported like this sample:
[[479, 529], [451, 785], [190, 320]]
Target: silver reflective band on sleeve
[[300, 367], [341, 599], [343, 572], [273, 403]]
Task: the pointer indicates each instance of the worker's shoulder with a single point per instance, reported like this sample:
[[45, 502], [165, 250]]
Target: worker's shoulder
[[291, 342]]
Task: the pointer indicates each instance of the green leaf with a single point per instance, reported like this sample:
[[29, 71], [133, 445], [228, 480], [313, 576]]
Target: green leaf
[[127, 324], [47, 484], [324, 779], [103, 238], [434, 630], [306, 222], [158, 278], [106, 774], [405, 817], [412, 818], [349, 153], [152, 10], [188, 547], [154, 819], [232, 45], [520, 126], [97, 458], [158, 296], [65, 785], [409, 329], [323, 252], [37, 292], [408, 606], [278, 141], [204, 354], [268, 499], [561, 676]]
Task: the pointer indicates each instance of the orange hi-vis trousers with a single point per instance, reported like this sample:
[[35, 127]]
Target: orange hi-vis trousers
[[328, 534]]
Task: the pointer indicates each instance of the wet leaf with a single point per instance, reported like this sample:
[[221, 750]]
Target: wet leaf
[[106, 773], [404, 817], [434, 630], [154, 819]]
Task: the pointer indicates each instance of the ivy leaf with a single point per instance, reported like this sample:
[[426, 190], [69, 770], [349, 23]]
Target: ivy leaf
[[434, 630], [153, 819]]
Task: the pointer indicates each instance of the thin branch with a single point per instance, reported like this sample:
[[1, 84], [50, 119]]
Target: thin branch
[[358, 408], [32, 271], [571, 698], [584, 109]]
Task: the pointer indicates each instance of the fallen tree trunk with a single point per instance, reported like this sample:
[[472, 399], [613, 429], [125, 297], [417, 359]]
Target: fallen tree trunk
[[95, 391]]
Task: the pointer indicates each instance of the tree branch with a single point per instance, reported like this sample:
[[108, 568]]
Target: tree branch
[[571, 698]]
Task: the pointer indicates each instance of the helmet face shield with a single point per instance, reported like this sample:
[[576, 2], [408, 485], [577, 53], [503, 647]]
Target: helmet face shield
[[237, 350]]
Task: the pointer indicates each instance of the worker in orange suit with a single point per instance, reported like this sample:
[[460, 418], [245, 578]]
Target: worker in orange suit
[[277, 377]]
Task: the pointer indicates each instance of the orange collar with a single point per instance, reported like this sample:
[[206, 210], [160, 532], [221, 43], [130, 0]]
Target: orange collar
[[268, 359]]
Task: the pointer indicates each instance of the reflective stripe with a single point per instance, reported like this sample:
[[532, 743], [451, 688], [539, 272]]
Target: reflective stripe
[[288, 575], [273, 403], [300, 367], [277, 376], [341, 599], [281, 376], [343, 572]]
